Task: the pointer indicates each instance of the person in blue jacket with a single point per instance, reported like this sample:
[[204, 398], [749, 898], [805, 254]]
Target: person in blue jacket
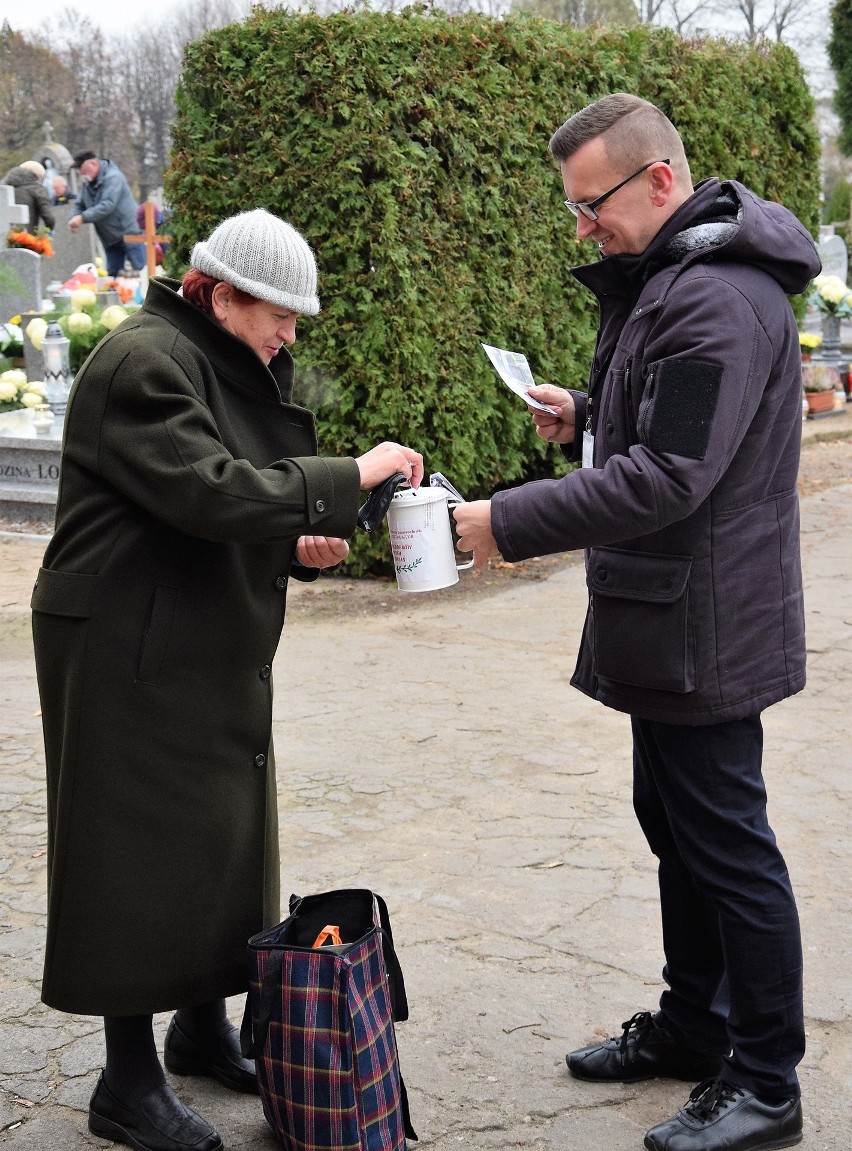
[[106, 201]]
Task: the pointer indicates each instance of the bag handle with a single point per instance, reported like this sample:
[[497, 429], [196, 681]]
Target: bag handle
[[396, 983], [330, 931], [253, 1042]]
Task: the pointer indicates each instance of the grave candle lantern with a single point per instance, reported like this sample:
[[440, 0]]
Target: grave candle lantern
[[57, 368]]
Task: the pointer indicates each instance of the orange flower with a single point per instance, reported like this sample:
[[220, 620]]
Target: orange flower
[[41, 245]]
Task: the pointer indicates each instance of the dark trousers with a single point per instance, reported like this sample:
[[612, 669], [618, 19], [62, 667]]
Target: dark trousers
[[730, 926], [116, 254]]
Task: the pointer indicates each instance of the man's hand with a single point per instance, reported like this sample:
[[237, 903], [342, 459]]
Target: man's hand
[[75, 222], [473, 521], [321, 551], [559, 428]]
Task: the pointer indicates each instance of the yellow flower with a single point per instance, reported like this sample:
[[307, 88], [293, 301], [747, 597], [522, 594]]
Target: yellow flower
[[809, 339], [8, 391], [36, 330], [37, 386], [14, 376], [15, 320], [31, 399]]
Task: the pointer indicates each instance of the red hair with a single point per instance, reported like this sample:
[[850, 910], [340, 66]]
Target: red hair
[[198, 289]]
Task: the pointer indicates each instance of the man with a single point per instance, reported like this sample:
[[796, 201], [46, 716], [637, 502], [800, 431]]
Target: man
[[106, 201], [689, 439], [26, 179], [60, 193]]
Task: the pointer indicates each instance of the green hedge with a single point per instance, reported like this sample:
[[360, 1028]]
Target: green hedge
[[411, 151]]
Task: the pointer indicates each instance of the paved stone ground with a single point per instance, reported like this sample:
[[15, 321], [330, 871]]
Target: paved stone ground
[[436, 753]]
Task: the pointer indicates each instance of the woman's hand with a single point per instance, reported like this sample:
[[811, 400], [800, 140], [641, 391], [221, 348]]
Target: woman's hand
[[556, 428], [380, 462], [321, 551]]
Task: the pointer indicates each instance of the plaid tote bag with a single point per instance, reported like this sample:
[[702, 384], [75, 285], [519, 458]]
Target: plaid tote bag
[[325, 989]]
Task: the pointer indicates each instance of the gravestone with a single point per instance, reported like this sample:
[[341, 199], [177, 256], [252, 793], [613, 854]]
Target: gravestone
[[835, 258], [33, 359], [11, 214], [71, 249], [29, 468], [24, 295]]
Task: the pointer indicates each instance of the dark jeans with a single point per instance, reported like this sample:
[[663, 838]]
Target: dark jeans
[[730, 926], [116, 254]]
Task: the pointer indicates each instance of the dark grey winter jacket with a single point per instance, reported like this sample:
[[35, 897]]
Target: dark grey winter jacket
[[30, 192], [690, 514]]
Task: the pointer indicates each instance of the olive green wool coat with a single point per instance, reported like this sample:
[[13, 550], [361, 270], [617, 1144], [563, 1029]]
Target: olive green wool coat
[[187, 476]]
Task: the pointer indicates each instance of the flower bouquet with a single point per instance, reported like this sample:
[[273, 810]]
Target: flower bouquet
[[830, 296], [38, 242], [11, 345], [16, 391], [808, 342], [85, 325]]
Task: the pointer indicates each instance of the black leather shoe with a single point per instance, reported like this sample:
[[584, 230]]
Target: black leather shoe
[[721, 1117], [646, 1049], [223, 1061], [159, 1122]]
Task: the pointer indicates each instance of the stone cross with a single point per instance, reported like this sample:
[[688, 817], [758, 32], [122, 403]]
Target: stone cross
[[10, 213]]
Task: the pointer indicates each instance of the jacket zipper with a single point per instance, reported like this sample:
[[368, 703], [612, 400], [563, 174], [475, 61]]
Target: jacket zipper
[[649, 391], [628, 404]]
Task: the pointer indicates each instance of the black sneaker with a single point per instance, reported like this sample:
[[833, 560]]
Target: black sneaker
[[722, 1117], [646, 1049]]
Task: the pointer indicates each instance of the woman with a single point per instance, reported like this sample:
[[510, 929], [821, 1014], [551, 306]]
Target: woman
[[27, 179], [189, 486]]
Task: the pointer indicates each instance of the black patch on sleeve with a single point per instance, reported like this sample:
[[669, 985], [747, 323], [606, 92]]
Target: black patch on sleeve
[[682, 407]]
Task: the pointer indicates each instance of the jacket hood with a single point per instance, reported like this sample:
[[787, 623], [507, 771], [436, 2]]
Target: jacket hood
[[722, 221], [732, 223], [18, 177]]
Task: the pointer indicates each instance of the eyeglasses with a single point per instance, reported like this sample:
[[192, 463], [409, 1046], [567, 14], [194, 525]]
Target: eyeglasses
[[590, 209]]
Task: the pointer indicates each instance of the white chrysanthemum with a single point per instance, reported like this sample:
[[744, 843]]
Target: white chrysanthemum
[[78, 322], [112, 316]]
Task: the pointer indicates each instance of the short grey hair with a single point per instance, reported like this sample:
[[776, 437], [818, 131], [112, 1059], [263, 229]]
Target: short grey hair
[[635, 132]]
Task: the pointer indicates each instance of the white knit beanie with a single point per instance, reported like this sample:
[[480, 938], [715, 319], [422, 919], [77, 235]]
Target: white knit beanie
[[264, 256]]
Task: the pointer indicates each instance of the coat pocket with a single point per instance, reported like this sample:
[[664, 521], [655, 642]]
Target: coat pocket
[[642, 623], [158, 629], [64, 593]]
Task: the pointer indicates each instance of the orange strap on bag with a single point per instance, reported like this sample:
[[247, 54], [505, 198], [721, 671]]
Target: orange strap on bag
[[330, 931]]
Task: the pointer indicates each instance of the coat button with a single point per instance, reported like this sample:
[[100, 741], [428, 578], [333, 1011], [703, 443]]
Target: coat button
[[610, 428], [265, 671], [668, 583], [260, 760], [281, 583], [601, 574], [320, 505]]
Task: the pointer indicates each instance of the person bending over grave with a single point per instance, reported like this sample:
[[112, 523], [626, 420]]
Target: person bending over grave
[[191, 490], [26, 179], [106, 201]]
